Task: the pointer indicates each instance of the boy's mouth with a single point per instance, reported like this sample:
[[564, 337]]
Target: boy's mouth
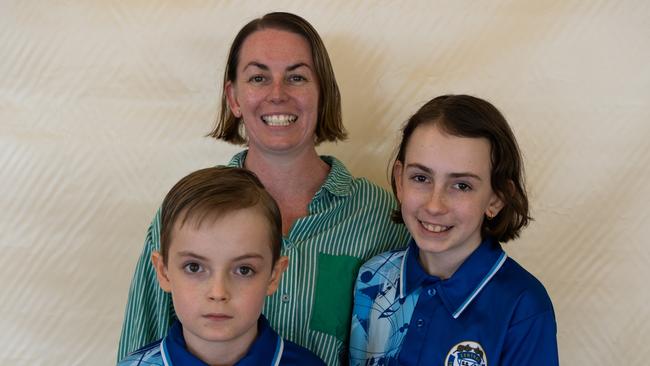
[[279, 120], [215, 316]]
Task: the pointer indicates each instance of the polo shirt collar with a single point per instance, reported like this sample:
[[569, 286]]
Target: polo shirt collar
[[337, 183], [268, 346], [464, 285]]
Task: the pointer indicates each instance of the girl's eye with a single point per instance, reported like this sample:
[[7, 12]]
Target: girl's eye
[[419, 178], [193, 268], [245, 271], [463, 187]]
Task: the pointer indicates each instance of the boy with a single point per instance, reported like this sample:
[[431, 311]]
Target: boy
[[219, 259]]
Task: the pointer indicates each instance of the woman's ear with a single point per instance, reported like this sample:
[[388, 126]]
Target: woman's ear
[[398, 169], [276, 274], [231, 97], [161, 271]]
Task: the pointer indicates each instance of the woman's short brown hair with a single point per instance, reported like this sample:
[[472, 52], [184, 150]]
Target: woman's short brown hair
[[330, 125], [208, 194], [468, 116]]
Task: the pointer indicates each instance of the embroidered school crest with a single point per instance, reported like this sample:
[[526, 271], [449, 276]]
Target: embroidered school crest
[[466, 353]]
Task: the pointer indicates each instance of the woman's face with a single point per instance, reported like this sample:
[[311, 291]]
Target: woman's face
[[276, 92]]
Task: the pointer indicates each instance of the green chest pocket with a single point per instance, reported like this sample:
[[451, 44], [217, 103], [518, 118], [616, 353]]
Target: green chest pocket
[[332, 305]]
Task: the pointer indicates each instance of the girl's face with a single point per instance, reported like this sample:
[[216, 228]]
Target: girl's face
[[444, 189], [276, 92]]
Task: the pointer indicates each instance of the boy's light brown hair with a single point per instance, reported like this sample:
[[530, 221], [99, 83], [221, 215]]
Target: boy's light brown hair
[[208, 194]]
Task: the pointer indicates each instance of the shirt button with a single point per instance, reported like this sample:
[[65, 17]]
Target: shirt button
[[285, 297], [419, 323], [431, 291]]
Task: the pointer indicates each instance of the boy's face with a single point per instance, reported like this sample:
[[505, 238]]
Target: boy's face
[[444, 190], [218, 275]]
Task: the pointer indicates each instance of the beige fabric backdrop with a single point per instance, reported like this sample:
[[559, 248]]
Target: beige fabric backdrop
[[103, 106]]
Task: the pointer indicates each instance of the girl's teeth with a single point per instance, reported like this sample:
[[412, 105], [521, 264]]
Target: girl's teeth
[[435, 228]]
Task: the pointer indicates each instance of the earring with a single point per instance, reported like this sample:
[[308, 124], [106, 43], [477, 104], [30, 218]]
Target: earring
[[489, 215]]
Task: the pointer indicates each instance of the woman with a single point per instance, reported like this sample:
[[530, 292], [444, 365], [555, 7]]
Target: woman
[[279, 88]]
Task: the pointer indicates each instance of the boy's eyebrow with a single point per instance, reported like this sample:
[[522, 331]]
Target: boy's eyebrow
[[266, 68], [187, 253], [452, 175]]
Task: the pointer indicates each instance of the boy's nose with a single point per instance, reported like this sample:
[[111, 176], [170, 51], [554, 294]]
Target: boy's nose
[[218, 290]]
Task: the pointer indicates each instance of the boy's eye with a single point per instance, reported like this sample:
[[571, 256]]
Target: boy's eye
[[193, 267], [245, 271]]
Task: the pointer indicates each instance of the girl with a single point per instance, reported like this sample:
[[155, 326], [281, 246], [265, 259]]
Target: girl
[[453, 297]]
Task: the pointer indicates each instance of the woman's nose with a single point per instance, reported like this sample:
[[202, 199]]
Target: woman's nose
[[278, 92]]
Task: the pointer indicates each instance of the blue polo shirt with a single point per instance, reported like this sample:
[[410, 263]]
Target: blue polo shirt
[[267, 349], [490, 312]]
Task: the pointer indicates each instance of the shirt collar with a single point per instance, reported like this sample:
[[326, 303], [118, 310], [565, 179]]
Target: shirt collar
[[338, 181], [458, 291], [174, 350], [268, 346]]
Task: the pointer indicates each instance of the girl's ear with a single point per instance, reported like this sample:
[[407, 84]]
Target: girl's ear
[[231, 97], [494, 207], [497, 201], [161, 271], [276, 274], [397, 175]]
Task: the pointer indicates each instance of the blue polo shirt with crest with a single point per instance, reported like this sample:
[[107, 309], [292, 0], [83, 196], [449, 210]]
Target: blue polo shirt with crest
[[267, 349], [491, 311]]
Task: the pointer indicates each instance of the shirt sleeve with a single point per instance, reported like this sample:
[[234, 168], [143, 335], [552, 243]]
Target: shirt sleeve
[[532, 341], [149, 310]]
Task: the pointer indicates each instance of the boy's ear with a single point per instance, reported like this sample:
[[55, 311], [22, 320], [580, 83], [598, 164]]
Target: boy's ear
[[397, 175], [161, 271], [276, 275], [231, 97]]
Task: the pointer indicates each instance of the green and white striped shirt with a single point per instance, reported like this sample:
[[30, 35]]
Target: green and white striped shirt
[[348, 223]]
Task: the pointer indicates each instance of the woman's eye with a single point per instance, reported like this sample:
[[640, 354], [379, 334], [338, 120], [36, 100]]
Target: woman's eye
[[193, 268], [256, 79], [245, 271], [297, 78]]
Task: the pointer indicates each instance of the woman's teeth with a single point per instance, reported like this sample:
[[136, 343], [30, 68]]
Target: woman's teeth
[[279, 119]]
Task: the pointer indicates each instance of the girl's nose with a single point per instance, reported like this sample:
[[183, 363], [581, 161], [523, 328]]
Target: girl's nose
[[437, 203]]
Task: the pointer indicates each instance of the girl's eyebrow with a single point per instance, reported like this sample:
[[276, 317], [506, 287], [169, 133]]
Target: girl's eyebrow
[[465, 175], [451, 175]]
